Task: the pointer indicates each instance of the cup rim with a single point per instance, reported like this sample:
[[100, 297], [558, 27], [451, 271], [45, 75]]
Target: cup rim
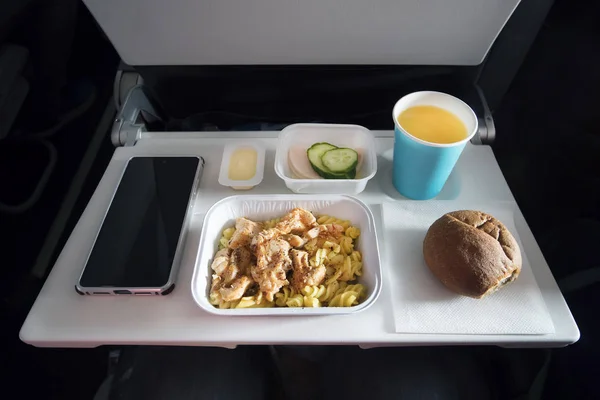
[[432, 144]]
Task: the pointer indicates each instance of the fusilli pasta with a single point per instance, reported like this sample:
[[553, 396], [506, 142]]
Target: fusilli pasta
[[296, 300], [327, 219], [256, 301], [348, 296], [225, 236], [347, 244]]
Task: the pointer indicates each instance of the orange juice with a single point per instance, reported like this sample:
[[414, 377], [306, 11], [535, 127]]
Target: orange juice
[[432, 124]]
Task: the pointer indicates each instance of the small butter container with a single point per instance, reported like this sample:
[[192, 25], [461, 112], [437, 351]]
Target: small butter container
[[243, 165]]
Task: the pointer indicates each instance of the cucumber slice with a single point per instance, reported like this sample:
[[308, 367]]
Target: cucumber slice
[[314, 154], [340, 161], [349, 175]]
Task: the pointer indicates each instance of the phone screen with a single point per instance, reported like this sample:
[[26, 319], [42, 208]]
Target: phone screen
[[138, 239]]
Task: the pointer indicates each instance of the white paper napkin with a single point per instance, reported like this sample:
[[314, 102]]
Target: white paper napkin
[[422, 304]]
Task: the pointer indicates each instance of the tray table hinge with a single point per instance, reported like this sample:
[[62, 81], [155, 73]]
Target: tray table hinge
[[135, 112], [487, 129]]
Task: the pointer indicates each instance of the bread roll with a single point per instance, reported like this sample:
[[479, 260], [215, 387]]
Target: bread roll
[[472, 253]]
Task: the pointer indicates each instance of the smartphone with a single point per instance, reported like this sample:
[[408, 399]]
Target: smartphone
[[138, 247]]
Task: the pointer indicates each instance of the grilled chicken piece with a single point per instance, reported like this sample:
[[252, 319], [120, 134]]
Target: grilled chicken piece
[[235, 289], [245, 230], [221, 261], [241, 258], [229, 265], [273, 254], [333, 230], [269, 280], [264, 236], [215, 286], [304, 274], [230, 273], [295, 240], [313, 233], [325, 231], [216, 283], [272, 262], [298, 220]]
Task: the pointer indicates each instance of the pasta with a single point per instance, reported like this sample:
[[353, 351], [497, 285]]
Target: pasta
[[329, 292], [222, 304], [296, 300], [333, 251], [311, 302], [226, 236], [256, 301], [353, 232], [314, 291], [346, 299], [326, 219], [347, 245], [347, 295], [283, 296]]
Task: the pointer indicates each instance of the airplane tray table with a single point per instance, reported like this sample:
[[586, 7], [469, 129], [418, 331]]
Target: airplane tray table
[[62, 318]]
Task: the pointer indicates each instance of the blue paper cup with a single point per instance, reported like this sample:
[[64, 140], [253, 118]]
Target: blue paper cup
[[421, 168]]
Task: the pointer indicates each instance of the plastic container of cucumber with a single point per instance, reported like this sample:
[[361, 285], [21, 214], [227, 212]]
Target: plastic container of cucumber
[[298, 175]]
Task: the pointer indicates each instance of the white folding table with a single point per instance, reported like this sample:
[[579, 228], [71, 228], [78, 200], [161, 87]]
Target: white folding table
[[62, 318]]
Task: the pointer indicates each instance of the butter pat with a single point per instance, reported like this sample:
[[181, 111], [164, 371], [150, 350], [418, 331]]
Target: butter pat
[[242, 166]]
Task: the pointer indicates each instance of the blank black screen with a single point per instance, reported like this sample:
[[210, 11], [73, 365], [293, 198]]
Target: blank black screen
[[137, 241]]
